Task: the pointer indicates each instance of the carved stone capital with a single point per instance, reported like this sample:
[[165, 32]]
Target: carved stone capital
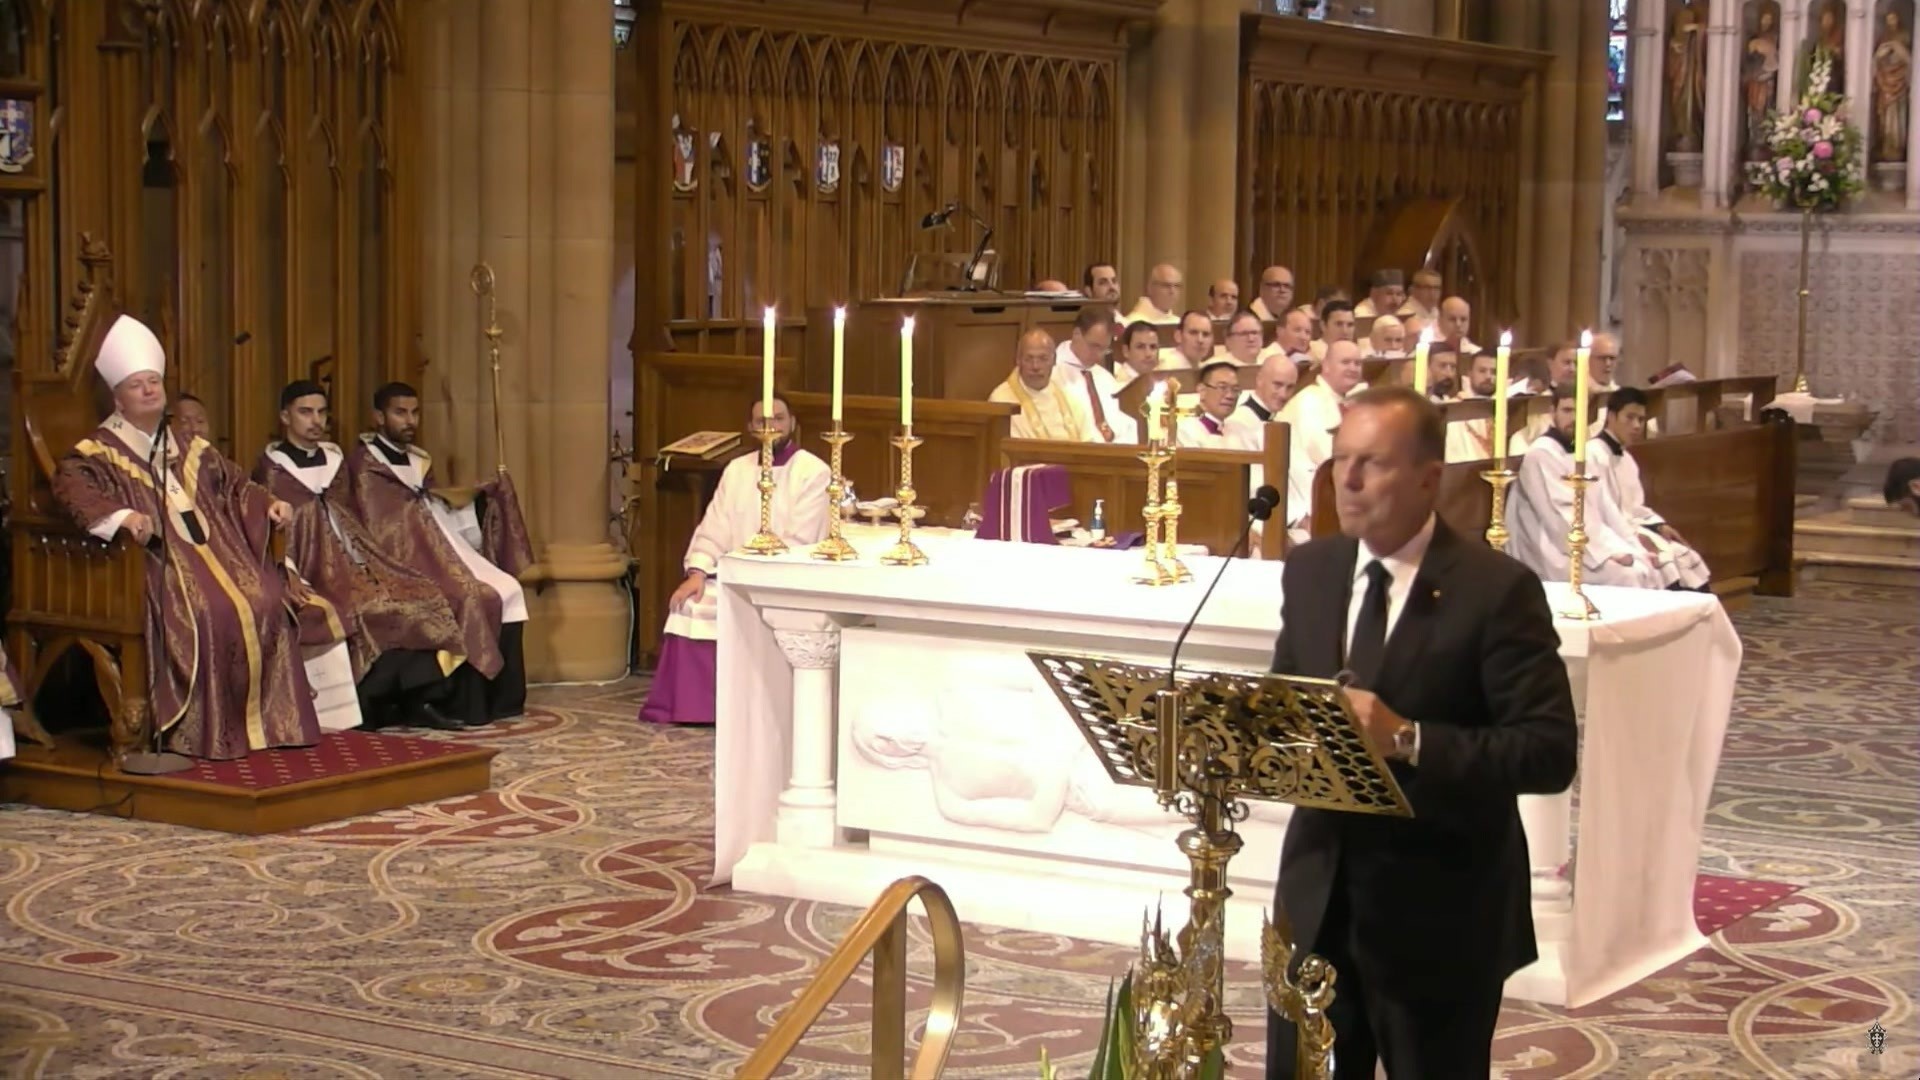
[[809, 649]]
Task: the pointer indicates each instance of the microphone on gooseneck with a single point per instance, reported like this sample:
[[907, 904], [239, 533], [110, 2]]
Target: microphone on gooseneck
[[1266, 499]]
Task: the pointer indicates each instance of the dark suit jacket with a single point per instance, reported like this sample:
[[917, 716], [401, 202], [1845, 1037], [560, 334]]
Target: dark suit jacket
[[1474, 660]]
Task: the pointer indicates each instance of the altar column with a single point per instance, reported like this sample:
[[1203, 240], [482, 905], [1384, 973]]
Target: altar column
[[1721, 143], [1913, 127], [1170, 149], [1859, 87], [1646, 60], [1793, 38], [811, 643]]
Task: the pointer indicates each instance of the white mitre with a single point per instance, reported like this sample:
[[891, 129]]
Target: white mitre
[[130, 348]]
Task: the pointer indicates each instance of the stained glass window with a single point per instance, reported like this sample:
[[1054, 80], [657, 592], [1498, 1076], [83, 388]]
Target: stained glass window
[[1616, 59]]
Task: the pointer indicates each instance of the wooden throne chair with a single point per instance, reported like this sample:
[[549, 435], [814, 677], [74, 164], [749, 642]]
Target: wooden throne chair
[[70, 589]]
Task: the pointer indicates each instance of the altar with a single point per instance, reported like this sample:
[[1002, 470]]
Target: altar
[[880, 721]]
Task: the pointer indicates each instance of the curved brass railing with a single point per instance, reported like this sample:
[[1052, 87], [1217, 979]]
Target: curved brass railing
[[882, 931]]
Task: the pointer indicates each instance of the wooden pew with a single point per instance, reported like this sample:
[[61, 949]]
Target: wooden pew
[[1214, 486], [960, 447], [71, 590]]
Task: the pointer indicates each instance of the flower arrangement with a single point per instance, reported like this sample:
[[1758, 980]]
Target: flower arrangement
[[1813, 153]]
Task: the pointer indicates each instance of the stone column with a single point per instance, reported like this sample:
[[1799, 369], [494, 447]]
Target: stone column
[[1859, 87], [1170, 147], [1722, 143], [1793, 38], [1213, 224], [516, 122], [1646, 64], [1590, 164], [811, 643], [1913, 129]]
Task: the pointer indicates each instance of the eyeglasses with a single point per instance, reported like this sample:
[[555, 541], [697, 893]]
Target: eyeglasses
[[1218, 387]]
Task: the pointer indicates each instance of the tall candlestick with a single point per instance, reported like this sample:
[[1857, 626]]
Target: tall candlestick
[[1420, 360], [839, 357], [1155, 404], [1500, 358], [1580, 397], [906, 373], [766, 369]]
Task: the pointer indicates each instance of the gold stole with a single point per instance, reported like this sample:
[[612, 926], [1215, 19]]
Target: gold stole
[[1030, 408]]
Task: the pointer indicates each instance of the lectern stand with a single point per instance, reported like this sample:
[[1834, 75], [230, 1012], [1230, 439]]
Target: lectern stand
[[1216, 740]]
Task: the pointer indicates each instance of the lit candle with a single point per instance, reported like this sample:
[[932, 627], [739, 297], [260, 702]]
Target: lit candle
[[1580, 397], [1500, 358], [1155, 405], [1420, 360], [766, 369], [906, 373], [839, 357]]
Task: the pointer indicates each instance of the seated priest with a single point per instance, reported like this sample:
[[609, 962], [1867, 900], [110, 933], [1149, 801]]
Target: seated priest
[[1336, 325], [1680, 566], [1388, 338], [1273, 387], [1164, 286], [1207, 428], [223, 666], [1557, 371], [1192, 341], [1472, 440], [1138, 354], [1080, 369], [1456, 318], [683, 683], [1386, 291], [1540, 514], [1276, 294], [191, 420], [1293, 339], [413, 662], [1047, 410], [1242, 342], [1020, 502], [473, 552], [1443, 374], [1312, 416]]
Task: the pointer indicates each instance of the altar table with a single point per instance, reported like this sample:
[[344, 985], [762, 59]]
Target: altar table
[[877, 721]]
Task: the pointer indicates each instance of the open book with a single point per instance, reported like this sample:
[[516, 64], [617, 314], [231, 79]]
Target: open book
[[705, 445]]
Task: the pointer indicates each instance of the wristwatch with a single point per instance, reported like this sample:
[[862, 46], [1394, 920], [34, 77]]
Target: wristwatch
[[1404, 742]]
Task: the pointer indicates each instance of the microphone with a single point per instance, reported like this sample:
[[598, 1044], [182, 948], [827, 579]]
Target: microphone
[[939, 217], [1266, 499]]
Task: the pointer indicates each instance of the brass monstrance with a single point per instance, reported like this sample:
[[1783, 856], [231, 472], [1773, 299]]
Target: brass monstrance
[[1216, 740]]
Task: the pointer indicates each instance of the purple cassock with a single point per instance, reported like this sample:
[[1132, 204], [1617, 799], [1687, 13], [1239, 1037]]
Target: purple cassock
[[1020, 501]]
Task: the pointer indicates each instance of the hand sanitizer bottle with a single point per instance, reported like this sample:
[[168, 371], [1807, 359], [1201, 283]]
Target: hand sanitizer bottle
[[1098, 527]]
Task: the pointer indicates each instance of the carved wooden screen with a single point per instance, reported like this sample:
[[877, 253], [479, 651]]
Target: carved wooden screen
[[787, 155], [1340, 128]]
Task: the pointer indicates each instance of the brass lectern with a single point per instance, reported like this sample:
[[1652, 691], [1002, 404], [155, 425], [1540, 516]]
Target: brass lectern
[[1215, 740]]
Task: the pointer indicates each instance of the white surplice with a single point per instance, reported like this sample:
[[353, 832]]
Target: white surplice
[[1048, 413], [462, 530], [1145, 311], [799, 515], [1206, 433], [1312, 414], [1071, 376], [1619, 476], [1540, 514]]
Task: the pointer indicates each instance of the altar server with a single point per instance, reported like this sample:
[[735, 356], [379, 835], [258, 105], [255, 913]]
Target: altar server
[[1540, 514], [413, 662], [1312, 416], [474, 552], [1680, 566], [1047, 410], [224, 674], [683, 683]]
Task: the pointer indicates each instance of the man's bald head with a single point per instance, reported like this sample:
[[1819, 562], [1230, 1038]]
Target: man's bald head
[[1602, 359], [1340, 368], [1456, 316], [1164, 284], [1276, 381], [1276, 289], [1035, 360]]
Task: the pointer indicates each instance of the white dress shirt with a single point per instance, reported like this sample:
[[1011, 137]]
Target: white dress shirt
[[1402, 567]]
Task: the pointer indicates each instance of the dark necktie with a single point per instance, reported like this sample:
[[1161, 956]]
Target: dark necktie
[[1370, 629]]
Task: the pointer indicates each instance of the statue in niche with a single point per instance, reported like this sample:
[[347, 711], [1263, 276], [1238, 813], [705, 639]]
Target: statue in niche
[[1830, 37], [1760, 76], [1892, 81], [1687, 79]]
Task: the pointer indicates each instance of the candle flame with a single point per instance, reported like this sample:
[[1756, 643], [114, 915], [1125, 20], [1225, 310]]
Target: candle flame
[[769, 316], [1426, 336], [906, 327], [840, 314], [1586, 339], [1506, 339]]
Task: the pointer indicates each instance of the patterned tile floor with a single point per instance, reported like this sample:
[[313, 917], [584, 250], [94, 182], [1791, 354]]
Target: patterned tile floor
[[554, 925]]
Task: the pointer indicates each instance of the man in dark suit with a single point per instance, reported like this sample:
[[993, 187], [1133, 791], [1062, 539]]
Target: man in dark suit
[[1456, 678]]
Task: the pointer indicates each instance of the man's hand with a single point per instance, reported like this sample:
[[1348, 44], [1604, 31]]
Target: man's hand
[[1671, 535], [1623, 560], [1377, 719], [139, 526], [279, 512], [688, 591], [297, 590]]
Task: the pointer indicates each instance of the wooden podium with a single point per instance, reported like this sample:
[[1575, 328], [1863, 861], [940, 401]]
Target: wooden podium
[[963, 343]]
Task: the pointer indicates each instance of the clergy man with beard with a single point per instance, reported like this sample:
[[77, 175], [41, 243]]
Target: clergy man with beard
[[473, 553], [224, 672], [414, 663], [1540, 514], [683, 683]]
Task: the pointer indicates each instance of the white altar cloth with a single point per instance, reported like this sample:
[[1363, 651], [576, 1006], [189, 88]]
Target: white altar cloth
[[879, 721]]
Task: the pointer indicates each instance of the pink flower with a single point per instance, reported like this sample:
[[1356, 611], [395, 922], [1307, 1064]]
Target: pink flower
[[1823, 149], [1813, 116]]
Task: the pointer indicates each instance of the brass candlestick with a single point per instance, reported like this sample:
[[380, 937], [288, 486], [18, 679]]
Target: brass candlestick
[[1170, 549], [1499, 477], [835, 547], [1577, 547], [1154, 572], [766, 542], [905, 552], [1800, 325]]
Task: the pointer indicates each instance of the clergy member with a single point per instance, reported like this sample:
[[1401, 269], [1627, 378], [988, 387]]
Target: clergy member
[[1472, 440], [1540, 514], [1276, 294], [1164, 286], [1139, 353], [394, 495], [191, 420], [683, 683], [1423, 297], [1556, 370], [1293, 339], [1312, 416], [1386, 291], [1388, 338], [1047, 410], [1336, 324], [1443, 374], [1101, 282], [1079, 370], [1680, 566], [1273, 387], [1242, 344], [1219, 395], [223, 669], [1456, 318], [414, 662], [1223, 299], [1192, 341]]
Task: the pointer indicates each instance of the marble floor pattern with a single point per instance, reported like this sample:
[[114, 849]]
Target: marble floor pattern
[[555, 925]]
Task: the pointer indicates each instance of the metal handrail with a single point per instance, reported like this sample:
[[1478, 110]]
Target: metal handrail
[[882, 931]]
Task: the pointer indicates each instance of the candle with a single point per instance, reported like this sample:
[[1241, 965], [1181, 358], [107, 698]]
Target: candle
[[1420, 360], [1580, 397], [906, 373], [1500, 358], [766, 369], [1155, 404], [839, 358]]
